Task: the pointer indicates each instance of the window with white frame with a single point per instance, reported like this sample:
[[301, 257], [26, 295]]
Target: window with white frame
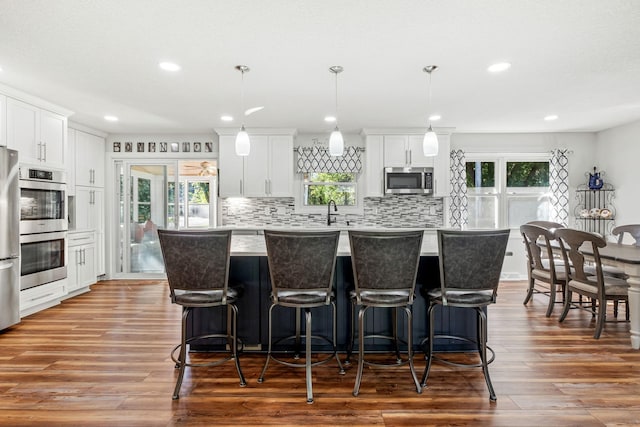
[[321, 187], [507, 190]]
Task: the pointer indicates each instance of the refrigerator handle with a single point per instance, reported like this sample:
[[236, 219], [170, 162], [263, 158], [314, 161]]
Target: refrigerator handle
[[4, 264]]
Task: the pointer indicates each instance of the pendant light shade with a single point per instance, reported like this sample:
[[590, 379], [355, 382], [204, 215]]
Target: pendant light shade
[[430, 141], [336, 141], [243, 144]]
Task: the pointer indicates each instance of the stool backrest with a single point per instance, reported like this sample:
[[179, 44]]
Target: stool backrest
[[301, 260], [196, 260], [385, 260], [471, 259]]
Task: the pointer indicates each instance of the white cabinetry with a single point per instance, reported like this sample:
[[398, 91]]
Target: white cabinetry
[[71, 162], [3, 120], [38, 134], [405, 151], [374, 165], [81, 262], [89, 190], [266, 172], [89, 152], [41, 297], [442, 167]]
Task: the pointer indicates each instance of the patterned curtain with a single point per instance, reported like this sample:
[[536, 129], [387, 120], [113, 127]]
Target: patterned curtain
[[317, 159], [459, 204], [559, 186]]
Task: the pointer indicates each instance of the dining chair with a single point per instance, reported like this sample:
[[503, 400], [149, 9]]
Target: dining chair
[[547, 278], [385, 267], [197, 267], [470, 266], [632, 230], [598, 287], [301, 268]]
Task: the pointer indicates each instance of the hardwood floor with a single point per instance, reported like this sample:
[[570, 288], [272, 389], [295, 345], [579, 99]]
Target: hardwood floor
[[103, 359]]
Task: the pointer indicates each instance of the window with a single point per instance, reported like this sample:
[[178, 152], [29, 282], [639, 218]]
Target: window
[[507, 192], [320, 187], [141, 195]]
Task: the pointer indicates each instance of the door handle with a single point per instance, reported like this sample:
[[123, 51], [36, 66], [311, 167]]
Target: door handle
[[241, 187], [40, 151], [6, 264], [410, 157], [44, 145], [266, 187]]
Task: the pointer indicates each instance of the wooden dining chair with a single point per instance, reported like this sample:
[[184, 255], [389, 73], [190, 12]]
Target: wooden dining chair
[[632, 230], [598, 287]]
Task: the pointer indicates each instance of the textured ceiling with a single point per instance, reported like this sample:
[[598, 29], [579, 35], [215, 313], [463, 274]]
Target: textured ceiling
[[579, 59]]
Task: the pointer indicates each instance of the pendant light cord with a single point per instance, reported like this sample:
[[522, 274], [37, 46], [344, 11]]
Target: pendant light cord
[[429, 100], [336, 99], [242, 95]]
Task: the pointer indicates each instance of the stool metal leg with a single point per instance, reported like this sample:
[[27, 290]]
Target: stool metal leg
[[296, 354], [482, 339], [335, 335], [410, 348], [429, 354], [183, 352], [352, 333], [266, 362], [394, 323], [307, 353], [231, 308], [361, 311]]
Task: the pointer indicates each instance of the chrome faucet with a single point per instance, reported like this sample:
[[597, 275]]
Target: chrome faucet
[[329, 214]]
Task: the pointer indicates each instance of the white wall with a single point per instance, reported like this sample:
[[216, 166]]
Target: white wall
[[618, 154]]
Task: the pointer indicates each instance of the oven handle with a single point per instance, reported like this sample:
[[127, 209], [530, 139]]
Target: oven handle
[[42, 237]]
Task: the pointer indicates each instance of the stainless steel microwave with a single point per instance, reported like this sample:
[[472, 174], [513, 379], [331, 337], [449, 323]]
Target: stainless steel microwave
[[408, 180]]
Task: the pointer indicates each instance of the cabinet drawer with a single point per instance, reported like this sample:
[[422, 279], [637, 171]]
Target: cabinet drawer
[[40, 297], [82, 238]]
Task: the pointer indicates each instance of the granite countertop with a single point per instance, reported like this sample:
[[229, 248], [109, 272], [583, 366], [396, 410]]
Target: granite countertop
[[254, 245]]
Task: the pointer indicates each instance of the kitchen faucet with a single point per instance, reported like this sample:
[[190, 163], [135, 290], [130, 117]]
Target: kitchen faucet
[[329, 214]]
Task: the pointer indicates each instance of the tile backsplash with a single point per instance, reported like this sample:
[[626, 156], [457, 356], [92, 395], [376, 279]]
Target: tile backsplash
[[389, 211]]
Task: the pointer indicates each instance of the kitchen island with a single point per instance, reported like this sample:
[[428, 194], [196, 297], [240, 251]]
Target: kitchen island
[[249, 268]]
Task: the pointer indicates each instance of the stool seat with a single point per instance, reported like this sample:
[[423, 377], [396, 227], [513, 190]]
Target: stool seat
[[475, 298], [381, 297], [205, 298], [302, 298]]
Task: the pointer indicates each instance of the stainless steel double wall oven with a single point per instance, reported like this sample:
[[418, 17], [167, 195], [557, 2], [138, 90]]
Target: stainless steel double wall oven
[[43, 226]]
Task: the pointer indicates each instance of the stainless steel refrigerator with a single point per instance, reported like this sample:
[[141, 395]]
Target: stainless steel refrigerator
[[9, 239]]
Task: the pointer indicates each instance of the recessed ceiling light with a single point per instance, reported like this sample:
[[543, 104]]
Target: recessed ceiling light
[[329, 119], [111, 118], [435, 117], [499, 67], [169, 66], [226, 118], [551, 117]]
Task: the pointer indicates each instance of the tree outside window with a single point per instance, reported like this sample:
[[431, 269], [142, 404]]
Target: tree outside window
[[321, 187]]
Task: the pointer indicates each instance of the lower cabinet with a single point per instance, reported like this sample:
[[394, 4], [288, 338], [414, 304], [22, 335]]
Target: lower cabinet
[[81, 267], [41, 297]]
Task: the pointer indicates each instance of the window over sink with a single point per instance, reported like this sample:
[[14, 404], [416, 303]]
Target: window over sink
[[321, 187]]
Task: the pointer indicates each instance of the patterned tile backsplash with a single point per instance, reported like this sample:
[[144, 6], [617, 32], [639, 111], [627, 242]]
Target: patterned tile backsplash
[[389, 211]]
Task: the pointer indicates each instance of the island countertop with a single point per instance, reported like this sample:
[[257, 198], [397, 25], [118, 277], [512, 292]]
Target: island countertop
[[254, 244]]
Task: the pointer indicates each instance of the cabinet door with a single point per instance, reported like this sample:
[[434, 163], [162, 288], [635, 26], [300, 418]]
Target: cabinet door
[[72, 269], [395, 151], [89, 159], [280, 166], [256, 171], [87, 270], [100, 255], [231, 167], [84, 197], [3, 120], [373, 166], [442, 168], [96, 206], [22, 130], [70, 163], [416, 156], [53, 137]]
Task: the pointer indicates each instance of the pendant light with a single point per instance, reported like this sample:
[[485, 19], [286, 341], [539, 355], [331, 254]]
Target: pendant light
[[430, 141], [336, 141], [243, 144]]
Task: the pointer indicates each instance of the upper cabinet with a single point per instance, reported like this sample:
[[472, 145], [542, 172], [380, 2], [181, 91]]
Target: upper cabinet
[[89, 159], [405, 151], [3, 120], [266, 172], [39, 135]]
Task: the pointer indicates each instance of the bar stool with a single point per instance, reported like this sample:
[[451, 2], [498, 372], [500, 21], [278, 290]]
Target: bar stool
[[197, 266], [470, 265], [385, 266], [301, 268]]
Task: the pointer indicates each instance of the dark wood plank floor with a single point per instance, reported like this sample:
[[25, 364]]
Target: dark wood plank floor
[[103, 359]]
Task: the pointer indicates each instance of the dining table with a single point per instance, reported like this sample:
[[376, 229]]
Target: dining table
[[627, 258]]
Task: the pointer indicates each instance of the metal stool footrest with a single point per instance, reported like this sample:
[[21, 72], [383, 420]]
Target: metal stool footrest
[[459, 338], [205, 364], [330, 356]]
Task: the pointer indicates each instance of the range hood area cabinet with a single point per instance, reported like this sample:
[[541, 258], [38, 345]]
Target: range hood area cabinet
[[266, 172], [404, 151]]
